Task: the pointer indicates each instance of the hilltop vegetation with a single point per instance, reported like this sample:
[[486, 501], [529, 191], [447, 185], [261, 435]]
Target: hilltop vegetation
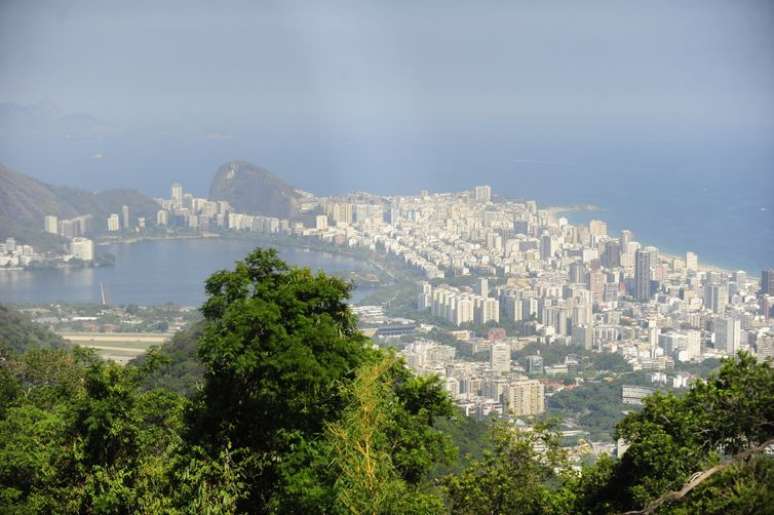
[[296, 412], [25, 201], [19, 334]]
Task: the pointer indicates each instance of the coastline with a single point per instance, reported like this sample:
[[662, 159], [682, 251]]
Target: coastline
[[304, 243], [667, 252], [575, 213], [137, 239], [280, 241]]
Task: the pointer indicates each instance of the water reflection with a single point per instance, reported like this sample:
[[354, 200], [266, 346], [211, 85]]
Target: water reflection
[[154, 272]]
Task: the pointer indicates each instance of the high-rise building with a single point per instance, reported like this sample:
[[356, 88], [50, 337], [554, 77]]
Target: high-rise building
[[645, 261], [626, 237], [340, 212], [535, 364], [483, 287], [577, 272], [691, 262], [598, 228], [716, 297], [125, 217], [728, 334], [596, 284], [500, 357], [113, 223], [547, 246], [51, 224], [485, 309], [767, 281], [321, 222], [177, 194], [765, 347], [82, 248], [162, 217], [67, 229], [483, 193], [583, 336], [611, 258], [525, 397]]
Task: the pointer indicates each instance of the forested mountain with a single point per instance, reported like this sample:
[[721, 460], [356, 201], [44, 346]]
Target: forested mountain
[[25, 201], [294, 411]]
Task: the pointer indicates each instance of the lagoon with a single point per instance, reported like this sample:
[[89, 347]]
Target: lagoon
[[156, 272]]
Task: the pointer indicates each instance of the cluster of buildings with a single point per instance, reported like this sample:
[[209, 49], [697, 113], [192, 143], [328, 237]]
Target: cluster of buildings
[[533, 271], [75, 230], [562, 283], [184, 210], [459, 306], [551, 282], [479, 388], [69, 228], [14, 255]]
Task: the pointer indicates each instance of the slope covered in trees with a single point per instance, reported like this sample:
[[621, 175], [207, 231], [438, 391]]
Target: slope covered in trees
[[25, 201], [296, 412], [18, 333]]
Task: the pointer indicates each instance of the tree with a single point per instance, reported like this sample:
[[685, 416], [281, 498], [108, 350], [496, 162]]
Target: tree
[[18, 333], [718, 426], [377, 457], [278, 345], [522, 474], [80, 436]]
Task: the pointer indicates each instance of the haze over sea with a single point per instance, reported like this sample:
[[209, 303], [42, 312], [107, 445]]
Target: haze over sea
[[660, 112], [712, 194]]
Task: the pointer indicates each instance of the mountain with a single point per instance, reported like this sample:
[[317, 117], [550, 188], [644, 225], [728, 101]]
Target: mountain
[[50, 122], [254, 190], [25, 201]]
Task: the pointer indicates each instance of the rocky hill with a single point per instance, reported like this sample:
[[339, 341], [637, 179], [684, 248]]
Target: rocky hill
[[25, 201], [254, 190]]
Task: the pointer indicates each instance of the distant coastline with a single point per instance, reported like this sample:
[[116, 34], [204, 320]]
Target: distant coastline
[[153, 237], [305, 243], [573, 208], [664, 251]]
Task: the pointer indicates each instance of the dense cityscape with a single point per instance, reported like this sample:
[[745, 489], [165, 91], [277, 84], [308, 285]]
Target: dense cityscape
[[495, 278], [387, 258]]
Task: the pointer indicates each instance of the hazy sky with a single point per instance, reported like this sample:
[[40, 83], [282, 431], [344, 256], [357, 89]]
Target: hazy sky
[[393, 61], [662, 112]]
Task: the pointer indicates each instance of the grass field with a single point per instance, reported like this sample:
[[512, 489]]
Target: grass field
[[119, 347]]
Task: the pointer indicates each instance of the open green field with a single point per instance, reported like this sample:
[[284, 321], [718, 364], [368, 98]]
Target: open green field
[[119, 347]]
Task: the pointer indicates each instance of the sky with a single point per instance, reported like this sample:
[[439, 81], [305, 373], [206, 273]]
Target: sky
[[385, 63], [389, 96], [659, 112]]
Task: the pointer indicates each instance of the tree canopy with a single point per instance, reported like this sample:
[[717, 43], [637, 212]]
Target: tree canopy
[[283, 406]]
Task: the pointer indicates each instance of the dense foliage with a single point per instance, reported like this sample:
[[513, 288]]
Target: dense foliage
[[177, 367], [289, 409], [18, 333]]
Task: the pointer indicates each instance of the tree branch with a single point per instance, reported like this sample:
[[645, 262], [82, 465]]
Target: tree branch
[[698, 478]]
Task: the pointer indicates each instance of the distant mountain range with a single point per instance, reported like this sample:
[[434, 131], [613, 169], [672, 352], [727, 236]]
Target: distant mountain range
[[254, 190], [50, 121]]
